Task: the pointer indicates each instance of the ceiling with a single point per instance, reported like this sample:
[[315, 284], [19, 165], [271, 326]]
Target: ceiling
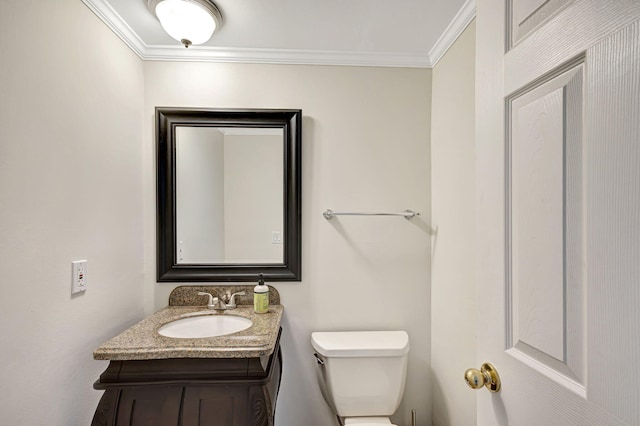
[[402, 33]]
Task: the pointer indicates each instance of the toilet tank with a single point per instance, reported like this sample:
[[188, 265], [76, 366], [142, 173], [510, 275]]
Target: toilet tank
[[362, 373]]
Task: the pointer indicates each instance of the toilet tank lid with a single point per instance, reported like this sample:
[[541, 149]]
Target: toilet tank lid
[[349, 344]]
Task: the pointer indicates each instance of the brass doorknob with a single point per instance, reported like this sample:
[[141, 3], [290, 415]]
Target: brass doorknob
[[487, 376]]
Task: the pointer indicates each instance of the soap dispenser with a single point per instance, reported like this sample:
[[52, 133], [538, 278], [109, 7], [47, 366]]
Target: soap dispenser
[[261, 297]]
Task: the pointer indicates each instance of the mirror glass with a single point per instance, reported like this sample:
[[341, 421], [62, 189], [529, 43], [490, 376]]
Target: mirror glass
[[229, 205], [229, 195]]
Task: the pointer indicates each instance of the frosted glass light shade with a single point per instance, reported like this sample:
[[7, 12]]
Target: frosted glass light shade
[[188, 21]]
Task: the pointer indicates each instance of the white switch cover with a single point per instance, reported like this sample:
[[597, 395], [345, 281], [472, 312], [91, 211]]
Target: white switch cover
[[79, 276], [276, 237]]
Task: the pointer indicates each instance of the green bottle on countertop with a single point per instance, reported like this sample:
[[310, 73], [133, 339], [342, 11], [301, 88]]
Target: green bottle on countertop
[[261, 297]]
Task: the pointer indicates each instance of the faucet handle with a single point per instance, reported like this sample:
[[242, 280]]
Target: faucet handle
[[212, 300], [232, 301]]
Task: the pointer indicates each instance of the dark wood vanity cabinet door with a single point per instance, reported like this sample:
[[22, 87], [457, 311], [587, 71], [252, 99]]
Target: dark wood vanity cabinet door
[[190, 392], [224, 406], [232, 405], [149, 406]]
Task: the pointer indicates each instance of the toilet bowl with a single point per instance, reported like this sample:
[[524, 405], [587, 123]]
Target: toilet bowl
[[362, 374]]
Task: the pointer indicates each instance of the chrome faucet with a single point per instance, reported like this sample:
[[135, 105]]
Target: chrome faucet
[[214, 302], [227, 301]]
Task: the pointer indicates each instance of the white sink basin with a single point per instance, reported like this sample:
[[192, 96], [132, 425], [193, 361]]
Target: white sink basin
[[204, 326]]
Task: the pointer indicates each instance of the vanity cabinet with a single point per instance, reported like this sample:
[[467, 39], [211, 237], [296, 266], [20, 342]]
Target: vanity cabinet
[[190, 391]]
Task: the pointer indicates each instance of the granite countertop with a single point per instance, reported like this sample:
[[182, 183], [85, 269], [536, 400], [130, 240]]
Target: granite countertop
[[142, 341]]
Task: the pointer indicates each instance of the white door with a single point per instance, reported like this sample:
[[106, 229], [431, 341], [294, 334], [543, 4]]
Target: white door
[[558, 210]]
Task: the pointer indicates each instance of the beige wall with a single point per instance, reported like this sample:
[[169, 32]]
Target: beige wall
[[453, 297], [365, 143], [70, 188]]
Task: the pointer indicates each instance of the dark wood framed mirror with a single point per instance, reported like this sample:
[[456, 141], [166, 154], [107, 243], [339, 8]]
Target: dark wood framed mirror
[[228, 194]]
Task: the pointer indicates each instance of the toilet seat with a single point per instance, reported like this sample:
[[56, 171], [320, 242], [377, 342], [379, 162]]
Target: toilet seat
[[367, 421], [373, 424]]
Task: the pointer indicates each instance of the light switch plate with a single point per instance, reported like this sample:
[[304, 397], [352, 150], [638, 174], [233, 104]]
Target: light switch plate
[[276, 237]]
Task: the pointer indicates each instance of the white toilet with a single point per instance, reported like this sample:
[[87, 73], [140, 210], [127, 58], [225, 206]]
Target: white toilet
[[362, 373]]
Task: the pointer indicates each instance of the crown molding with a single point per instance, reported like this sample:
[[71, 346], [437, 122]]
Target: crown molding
[[114, 21], [284, 56], [457, 25]]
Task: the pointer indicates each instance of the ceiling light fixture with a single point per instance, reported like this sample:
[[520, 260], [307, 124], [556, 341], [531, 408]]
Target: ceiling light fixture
[[188, 21]]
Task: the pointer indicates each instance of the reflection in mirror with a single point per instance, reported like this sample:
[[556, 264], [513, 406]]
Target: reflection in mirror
[[229, 196]]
